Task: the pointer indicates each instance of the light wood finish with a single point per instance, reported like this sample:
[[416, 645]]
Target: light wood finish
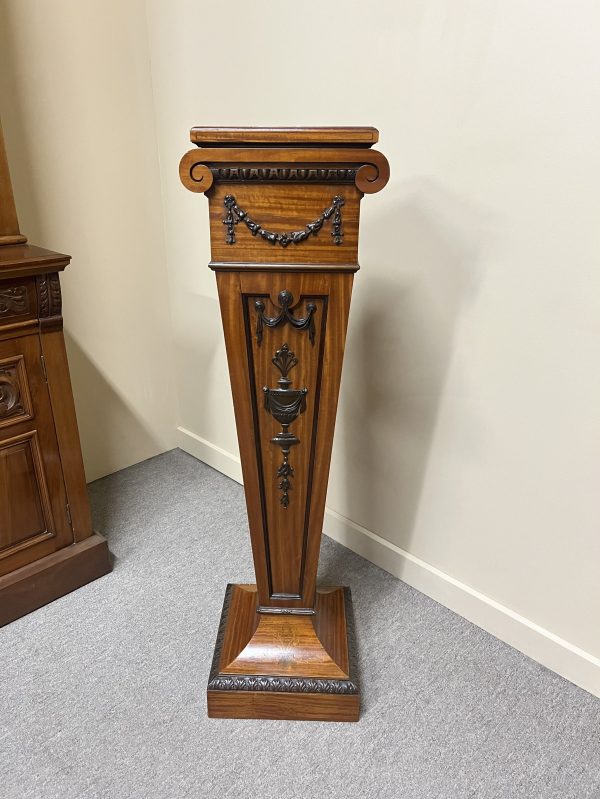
[[284, 217], [9, 223]]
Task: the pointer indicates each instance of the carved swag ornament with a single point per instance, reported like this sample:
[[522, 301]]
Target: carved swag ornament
[[235, 215]]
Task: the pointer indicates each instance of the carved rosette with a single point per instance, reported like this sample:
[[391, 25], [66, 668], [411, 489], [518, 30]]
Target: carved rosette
[[10, 393], [15, 399]]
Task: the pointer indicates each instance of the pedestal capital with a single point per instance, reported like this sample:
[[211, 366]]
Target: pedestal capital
[[289, 155]]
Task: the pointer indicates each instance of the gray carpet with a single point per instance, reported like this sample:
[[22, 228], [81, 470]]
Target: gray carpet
[[102, 692]]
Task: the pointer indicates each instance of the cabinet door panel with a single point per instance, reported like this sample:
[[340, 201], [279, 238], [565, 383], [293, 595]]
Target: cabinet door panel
[[33, 507], [25, 516]]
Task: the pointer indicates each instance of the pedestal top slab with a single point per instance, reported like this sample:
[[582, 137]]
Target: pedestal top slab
[[285, 137]]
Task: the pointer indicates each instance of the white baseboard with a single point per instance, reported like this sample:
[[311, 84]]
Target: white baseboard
[[208, 453], [545, 647]]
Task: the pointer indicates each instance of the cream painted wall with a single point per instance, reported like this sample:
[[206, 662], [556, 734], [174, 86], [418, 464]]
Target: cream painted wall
[[76, 106], [467, 454]]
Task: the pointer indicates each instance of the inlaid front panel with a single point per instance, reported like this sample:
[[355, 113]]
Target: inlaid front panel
[[285, 341], [287, 331]]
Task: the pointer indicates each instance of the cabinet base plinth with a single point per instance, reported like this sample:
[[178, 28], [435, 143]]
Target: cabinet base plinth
[[284, 666], [49, 578]]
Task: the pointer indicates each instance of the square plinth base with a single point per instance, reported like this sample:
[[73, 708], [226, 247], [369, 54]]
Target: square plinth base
[[284, 666]]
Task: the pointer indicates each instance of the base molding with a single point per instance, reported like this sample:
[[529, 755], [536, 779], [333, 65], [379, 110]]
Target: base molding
[[291, 707], [49, 578], [295, 667]]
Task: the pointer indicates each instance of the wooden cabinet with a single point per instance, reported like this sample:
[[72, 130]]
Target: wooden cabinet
[[33, 507], [47, 544]]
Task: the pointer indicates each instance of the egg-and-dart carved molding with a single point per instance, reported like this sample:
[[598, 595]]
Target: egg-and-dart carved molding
[[286, 300], [14, 300], [285, 404], [282, 174], [235, 215]]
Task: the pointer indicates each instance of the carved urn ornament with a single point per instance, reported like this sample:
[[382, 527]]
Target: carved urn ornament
[[284, 212]]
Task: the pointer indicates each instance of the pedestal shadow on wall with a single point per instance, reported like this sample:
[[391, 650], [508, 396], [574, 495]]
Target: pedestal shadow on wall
[[420, 272]]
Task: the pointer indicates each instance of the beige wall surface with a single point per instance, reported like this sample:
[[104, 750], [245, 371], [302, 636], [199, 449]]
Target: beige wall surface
[[467, 452], [76, 107]]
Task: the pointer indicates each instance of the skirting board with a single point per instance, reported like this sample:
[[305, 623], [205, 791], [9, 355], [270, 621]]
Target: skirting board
[[560, 656]]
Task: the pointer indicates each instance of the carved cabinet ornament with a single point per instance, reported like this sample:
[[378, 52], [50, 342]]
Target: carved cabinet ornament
[[13, 300], [49, 295], [285, 646]]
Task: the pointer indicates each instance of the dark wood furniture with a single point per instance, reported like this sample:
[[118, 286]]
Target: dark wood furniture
[[47, 544], [284, 210]]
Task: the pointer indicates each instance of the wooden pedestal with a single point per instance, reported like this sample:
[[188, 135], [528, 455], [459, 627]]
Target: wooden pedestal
[[284, 212]]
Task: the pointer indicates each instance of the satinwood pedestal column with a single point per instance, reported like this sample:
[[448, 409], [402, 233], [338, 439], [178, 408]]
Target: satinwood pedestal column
[[284, 212]]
